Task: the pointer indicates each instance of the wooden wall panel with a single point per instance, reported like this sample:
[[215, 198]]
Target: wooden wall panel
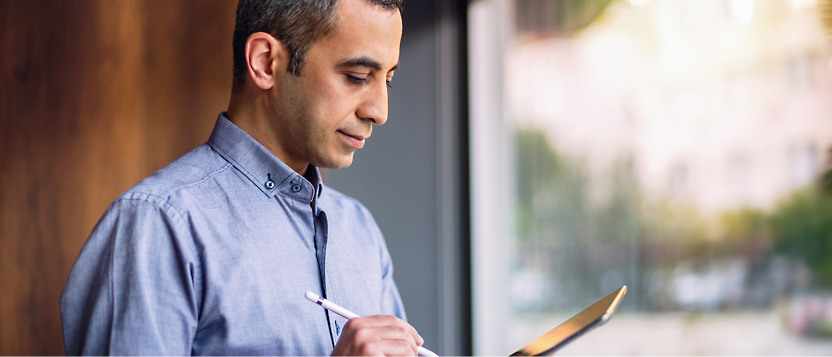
[[94, 96], [189, 58]]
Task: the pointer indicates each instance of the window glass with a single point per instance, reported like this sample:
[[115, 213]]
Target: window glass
[[678, 147]]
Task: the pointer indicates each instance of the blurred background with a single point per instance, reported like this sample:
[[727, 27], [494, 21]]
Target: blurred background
[[539, 154], [681, 148]]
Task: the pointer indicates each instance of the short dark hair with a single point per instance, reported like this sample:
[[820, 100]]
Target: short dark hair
[[295, 23]]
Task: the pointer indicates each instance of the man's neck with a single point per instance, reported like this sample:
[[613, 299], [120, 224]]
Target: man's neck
[[249, 113]]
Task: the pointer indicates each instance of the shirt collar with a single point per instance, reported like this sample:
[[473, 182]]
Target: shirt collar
[[259, 165]]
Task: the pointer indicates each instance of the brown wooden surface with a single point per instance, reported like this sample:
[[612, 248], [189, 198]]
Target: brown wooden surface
[[94, 96]]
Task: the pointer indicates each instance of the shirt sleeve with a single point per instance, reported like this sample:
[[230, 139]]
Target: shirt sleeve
[[391, 301], [132, 288]]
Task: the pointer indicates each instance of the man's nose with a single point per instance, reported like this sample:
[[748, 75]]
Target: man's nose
[[374, 107]]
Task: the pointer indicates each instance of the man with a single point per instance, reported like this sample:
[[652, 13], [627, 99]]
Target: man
[[213, 254]]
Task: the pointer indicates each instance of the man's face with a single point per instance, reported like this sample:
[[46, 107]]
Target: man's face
[[324, 114]]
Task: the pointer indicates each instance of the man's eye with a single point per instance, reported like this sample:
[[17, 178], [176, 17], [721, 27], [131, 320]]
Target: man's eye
[[356, 80]]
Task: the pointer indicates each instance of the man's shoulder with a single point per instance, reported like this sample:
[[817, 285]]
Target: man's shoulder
[[188, 171], [338, 199], [346, 206]]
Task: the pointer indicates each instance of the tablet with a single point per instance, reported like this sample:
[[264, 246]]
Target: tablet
[[593, 316]]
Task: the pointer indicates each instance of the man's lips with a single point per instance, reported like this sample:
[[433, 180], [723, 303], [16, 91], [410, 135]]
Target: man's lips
[[356, 141]]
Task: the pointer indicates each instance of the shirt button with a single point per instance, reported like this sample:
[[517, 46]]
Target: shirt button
[[295, 187], [270, 184]]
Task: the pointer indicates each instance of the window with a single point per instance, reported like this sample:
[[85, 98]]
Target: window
[[641, 142]]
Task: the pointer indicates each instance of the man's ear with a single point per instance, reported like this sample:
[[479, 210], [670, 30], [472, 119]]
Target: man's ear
[[267, 59]]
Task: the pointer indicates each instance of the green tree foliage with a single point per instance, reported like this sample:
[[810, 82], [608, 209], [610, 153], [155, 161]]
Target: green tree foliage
[[581, 232], [555, 197], [550, 190], [802, 226]]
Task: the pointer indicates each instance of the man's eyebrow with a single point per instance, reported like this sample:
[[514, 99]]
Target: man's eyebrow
[[364, 61]]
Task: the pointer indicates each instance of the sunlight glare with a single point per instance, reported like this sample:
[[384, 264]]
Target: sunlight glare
[[638, 3], [742, 11]]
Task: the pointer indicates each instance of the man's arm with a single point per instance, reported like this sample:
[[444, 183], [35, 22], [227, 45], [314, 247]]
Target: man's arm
[[132, 288], [391, 301], [388, 334]]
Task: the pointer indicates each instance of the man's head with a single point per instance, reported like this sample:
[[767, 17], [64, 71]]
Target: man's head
[[295, 23], [310, 86]]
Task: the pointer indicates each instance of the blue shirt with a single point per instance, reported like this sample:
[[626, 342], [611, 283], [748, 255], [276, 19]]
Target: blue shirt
[[212, 255]]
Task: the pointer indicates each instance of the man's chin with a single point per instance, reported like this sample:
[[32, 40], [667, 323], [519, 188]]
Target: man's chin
[[337, 163]]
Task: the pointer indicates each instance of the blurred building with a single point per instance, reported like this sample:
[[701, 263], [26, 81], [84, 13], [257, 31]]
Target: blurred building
[[718, 103]]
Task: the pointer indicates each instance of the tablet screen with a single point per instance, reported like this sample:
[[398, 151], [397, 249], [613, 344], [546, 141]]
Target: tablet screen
[[593, 316]]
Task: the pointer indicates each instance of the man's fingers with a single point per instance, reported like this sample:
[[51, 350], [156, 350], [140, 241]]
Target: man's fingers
[[390, 333], [387, 320], [388, 348], [378, 335]]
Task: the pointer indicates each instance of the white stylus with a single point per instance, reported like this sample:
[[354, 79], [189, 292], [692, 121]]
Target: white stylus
[[331, 306]]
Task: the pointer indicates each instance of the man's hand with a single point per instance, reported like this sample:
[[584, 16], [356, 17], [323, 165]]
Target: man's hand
[[379, 335]]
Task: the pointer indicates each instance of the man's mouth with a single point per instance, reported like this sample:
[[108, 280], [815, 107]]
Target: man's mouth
[[356, 141]]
